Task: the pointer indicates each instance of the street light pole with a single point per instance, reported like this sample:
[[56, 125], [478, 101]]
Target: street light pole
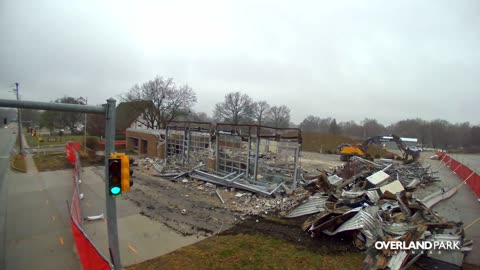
[[19, 122], [85, 129]]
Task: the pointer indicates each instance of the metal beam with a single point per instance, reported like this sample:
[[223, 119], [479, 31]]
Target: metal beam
[[51, 106]]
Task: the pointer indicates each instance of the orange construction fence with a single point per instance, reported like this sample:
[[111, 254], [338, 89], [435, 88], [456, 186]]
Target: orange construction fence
[[90, 257], [469, 176]]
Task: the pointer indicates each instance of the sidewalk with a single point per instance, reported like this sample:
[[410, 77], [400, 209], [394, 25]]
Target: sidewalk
[[38, 233], [140, 238]]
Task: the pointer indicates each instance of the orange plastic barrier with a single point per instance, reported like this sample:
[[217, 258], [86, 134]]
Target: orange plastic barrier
[[465, 173], [90, 257]]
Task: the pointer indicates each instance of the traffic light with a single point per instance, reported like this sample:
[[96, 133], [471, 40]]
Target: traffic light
[[125, 173], [132, 164], [119, 174], [5, 121], [114, 176]]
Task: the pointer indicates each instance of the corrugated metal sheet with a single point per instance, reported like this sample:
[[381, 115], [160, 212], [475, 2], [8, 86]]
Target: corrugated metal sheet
[[373, 195], [313, 205], [353, 194], [397, 229], [397, 260], [365, 221], [437, 196]]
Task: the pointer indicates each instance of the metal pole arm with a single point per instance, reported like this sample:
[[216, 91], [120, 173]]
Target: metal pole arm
[[51, 106]]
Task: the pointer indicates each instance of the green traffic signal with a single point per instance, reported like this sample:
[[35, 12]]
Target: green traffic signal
[[115, 190], [114, 177]]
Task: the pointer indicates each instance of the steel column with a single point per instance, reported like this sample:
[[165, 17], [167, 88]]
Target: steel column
[[249, 149], [257, 151], [217, 150], [297, 156], [166, 145]]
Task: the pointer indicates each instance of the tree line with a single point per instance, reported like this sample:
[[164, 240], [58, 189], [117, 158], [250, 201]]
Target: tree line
[[169, 101], [436, 133]]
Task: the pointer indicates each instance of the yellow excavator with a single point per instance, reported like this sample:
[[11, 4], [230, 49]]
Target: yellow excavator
[[347, 150]]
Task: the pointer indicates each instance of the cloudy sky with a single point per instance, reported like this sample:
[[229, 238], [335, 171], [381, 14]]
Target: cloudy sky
[[388, 60]]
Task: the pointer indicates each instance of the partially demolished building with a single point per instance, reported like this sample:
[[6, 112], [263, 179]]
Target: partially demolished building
[[371, 202]]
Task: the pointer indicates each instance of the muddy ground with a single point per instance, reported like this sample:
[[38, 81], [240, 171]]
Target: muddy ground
[[290, 230], [192, 207], [183, 207], [163, 200]]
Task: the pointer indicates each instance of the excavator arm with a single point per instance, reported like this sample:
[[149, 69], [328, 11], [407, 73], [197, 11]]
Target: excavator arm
[[346, 150], [407, 152]]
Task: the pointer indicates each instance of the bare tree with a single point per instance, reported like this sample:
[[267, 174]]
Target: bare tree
[[70, 120], [260, 111], [235, 109], [169, 101], [334, 127], [351, 128], [371, 128], [200, 117], [315, 123], [279, 116]]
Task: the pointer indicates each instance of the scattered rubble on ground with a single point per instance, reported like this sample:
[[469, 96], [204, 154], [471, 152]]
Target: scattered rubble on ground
[[369, 201]]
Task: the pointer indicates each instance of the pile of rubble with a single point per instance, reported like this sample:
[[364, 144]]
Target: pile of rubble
[[247, 203], [374, 203], [240, 196]]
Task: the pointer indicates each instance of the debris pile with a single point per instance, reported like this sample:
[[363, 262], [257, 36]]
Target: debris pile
[[374, 203], [371, 202], [242, 197], [175, 169]]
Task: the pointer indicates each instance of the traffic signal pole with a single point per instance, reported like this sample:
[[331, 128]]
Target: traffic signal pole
[[111, 206], [109, 111]]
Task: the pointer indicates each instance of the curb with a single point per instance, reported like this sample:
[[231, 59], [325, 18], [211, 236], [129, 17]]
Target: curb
[[12, 165]]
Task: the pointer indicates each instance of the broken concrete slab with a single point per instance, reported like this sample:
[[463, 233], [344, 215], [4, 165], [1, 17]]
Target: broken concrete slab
[[392, 187], [378, 178]]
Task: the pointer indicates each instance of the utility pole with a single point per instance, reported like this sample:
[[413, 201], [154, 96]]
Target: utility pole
[[85, 129], [19, 122]]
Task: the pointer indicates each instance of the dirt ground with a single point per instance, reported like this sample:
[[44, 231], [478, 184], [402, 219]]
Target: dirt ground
[[185, 208], [192, 207], [310, 162]]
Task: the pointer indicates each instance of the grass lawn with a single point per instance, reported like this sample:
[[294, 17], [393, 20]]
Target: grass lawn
[[58, 161], [246, 251], [52, 140], [51, 162]]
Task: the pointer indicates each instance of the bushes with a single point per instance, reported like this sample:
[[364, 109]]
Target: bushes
[[92, 142]]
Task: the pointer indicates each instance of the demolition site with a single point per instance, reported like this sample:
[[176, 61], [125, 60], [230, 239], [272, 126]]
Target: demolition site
[[204, 180]]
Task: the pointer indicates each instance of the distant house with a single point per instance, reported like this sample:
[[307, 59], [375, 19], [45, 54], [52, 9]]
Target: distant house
[[131, 115]]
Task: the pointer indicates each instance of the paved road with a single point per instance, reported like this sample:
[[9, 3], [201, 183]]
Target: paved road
[[34, 219], [463, 206], [8, 139]]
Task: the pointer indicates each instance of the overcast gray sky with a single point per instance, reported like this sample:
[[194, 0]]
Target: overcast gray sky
[[388, 60]]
